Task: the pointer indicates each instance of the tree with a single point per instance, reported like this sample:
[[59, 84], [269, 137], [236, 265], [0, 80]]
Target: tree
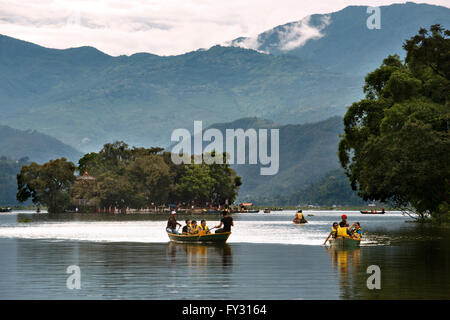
[[396, 141], [226, 182], [48, 184], [152, 178], [196, 184]]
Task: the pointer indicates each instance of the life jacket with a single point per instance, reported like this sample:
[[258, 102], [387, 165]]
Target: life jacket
[[342, 232], [358, 232], [195, 229], [202, 230], [333, 232], [299, 216]]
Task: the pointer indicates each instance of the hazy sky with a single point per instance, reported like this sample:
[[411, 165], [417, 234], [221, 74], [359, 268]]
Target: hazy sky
[[162, 27]]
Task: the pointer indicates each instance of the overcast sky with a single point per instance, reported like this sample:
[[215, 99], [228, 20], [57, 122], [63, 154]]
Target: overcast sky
[[162, 27]]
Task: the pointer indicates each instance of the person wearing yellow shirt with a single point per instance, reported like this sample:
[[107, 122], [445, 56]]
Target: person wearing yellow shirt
[[203, 228], [342, 230], [194, 227], [299, 218]]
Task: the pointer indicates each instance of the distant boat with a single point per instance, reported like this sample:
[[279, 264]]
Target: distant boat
[[372, 212], [266, 210], [247, 208], [5, 209]]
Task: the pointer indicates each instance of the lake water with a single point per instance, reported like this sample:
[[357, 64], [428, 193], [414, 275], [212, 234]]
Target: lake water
[[266, 257]]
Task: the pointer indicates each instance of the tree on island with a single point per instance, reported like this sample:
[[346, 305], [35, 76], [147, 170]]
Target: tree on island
[[48, 184], [396, 145]]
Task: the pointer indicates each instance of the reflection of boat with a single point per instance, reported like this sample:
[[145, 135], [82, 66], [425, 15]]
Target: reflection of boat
[[372, 212], [342, 242], [195, 238], [5, 209]]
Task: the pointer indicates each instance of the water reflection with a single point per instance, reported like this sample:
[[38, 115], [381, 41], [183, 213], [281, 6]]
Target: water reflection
[[197, 254], [347, 264]]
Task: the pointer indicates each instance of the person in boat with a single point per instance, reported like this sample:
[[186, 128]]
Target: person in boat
[[187, 228], [356, 231], [333, 232], [342, 230], [299, 218], [225, 223], [172, 224], [344, 219], [203, 227], [195, 229]]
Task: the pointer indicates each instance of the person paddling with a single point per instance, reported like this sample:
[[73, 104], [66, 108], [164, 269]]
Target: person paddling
[[333, 232], [172, 224], [227, 222]]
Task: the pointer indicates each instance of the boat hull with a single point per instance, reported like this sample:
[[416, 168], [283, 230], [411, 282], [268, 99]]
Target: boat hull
[[345, 243], [207, 238]]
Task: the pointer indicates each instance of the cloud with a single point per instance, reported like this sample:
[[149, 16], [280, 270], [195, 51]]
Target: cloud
[[296, 34], [162, 27]]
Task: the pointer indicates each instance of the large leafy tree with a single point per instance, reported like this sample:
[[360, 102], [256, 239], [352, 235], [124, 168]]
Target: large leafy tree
[[48, 184], [396, 145]]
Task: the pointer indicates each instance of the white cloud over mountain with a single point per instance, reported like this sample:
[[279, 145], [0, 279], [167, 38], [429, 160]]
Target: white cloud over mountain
[[161, 26]]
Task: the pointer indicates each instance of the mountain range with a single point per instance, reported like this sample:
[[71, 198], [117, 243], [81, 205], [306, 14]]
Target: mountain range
[[86, 98], [342, 42]]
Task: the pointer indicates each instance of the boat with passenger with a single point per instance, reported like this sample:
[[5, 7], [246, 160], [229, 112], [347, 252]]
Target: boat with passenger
[[372, 211], [343, 242], [202, 238]]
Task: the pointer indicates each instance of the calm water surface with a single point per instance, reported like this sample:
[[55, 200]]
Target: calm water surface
[[266, 257]]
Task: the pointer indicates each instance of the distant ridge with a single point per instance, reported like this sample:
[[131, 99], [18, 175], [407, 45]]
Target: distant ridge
[[38, 147]]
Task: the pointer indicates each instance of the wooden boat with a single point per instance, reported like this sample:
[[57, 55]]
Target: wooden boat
[[195, 238], [372, 212], [266, 210], [342, 242], [298, 221]]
